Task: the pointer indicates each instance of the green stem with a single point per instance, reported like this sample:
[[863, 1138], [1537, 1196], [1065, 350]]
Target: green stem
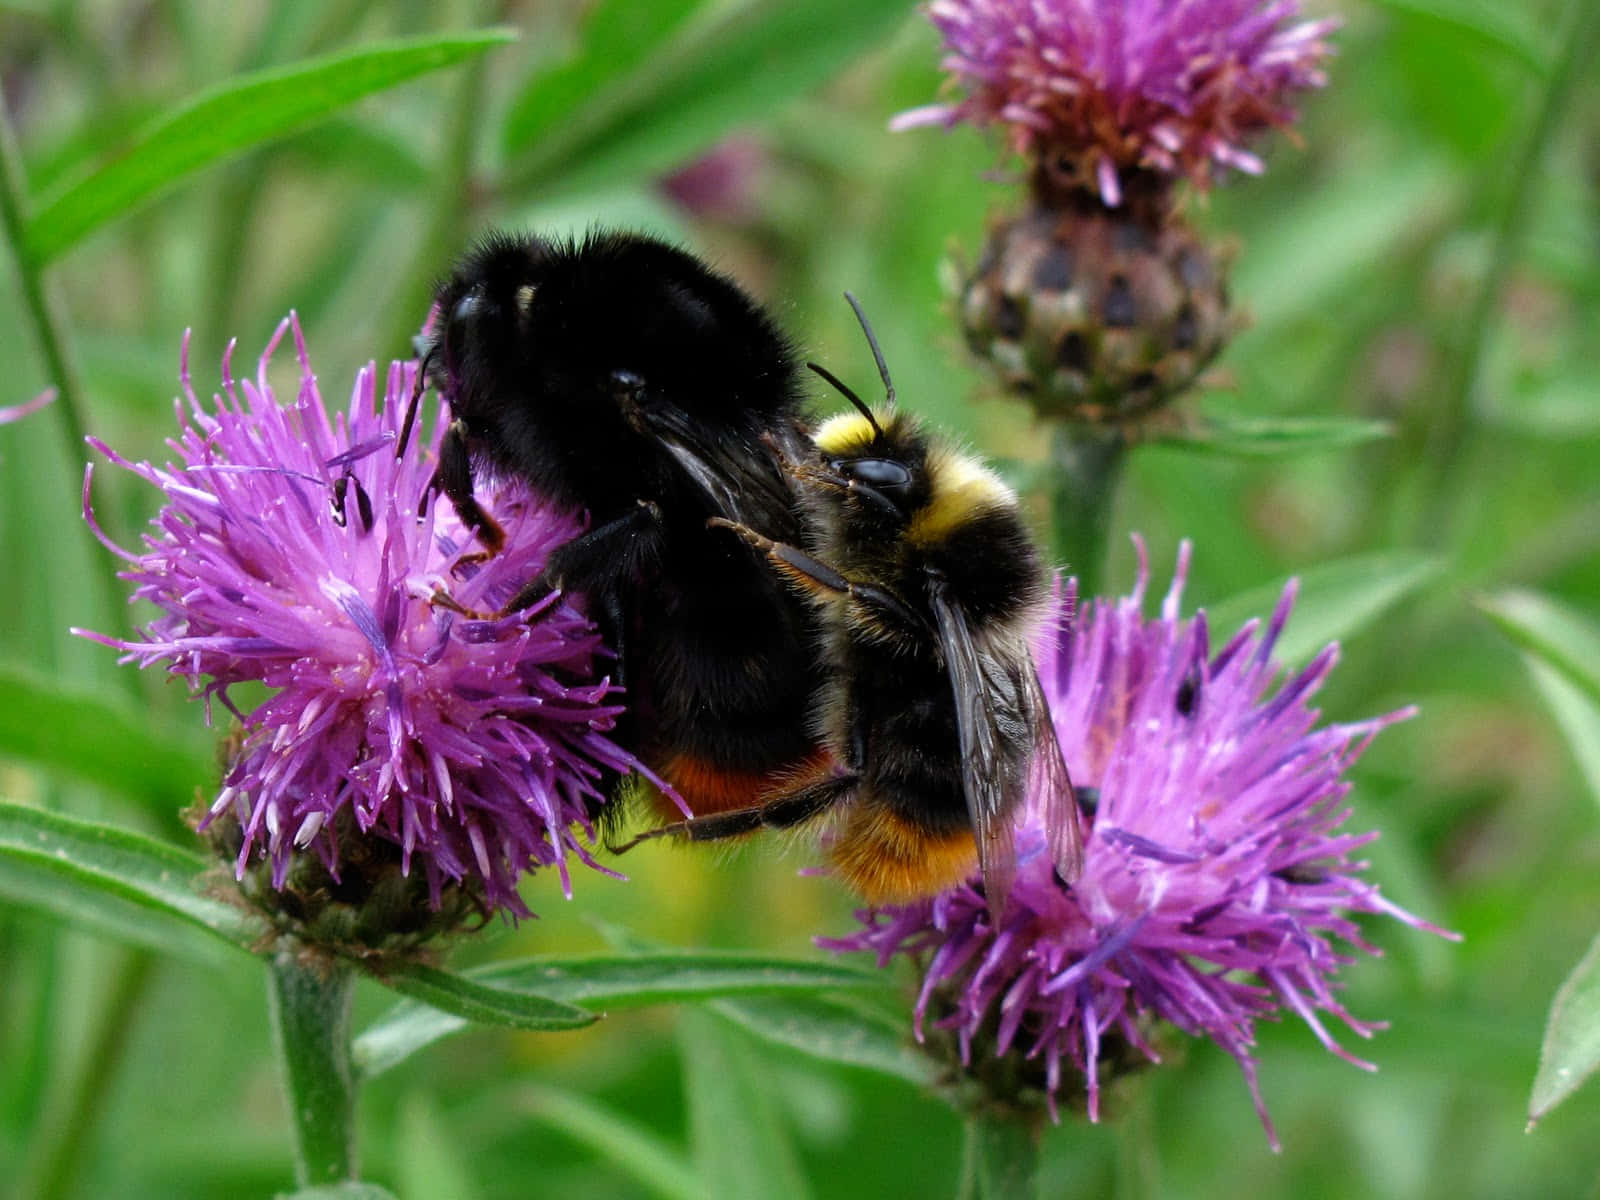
[[1003, 1154], [1086, 464], [310, 1014], [1454, 418], [43, 309], [50, 330], [58, 1149]]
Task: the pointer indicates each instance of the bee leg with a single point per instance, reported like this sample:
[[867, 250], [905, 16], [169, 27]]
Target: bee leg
[[877, 605], [454, 478], [780, 812], [616, 548]]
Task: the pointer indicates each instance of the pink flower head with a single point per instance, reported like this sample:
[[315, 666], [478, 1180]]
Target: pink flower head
[[1171, 86], [298, 551], [1217, 878]]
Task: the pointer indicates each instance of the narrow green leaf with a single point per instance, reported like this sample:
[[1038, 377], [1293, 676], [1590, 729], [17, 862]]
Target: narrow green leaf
[[650, 1162], [1334, 602], [481, 1003], [736, 67], [833, 1032], [741, 1145], [1571, 1049], [1577, 715], [88, 736], [344, 144], [1509, 28], [242, 112], [617, 35], [609, 982], [1271, 437], [1568, 641], [112, 881]]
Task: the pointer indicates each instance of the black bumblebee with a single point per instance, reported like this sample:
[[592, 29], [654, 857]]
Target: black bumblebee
[[927, 585], [622, 376]]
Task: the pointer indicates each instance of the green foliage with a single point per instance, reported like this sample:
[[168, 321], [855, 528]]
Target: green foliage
[[1409, 426]]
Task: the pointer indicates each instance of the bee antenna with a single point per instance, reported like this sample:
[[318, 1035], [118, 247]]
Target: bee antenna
[[860, 404], [411, 407], [877, 354]]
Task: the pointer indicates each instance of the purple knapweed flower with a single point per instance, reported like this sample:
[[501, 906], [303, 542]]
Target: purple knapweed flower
[[297, 550], [1171, 86], [1217, 877]]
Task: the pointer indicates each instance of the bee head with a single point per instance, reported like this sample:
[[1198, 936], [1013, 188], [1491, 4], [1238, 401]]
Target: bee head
[[876, 471]]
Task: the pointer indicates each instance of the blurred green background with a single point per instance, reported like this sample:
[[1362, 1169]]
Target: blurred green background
[[1428, 255]]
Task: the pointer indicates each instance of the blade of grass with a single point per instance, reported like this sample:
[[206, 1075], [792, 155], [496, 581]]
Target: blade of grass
[[226, 120]]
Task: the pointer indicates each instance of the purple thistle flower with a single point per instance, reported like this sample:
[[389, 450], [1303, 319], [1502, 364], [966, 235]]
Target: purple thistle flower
[[291, 553], [1171, 86], [1216, 877]]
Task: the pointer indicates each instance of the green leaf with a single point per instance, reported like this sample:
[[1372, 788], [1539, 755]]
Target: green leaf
[[223, 121], [735, 67], [112, 882], [1571, 1049], [1271, 437], [652, 1164], [88, 736], [613, 982], [617, 36], [1334, 602], [1554, 633], [834, 1032], [486, 1005], [1508, 28], [1576, 714], [741, 1145]]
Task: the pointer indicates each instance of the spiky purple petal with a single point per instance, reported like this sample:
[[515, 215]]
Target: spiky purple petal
[[1173, 86], [295, 550], [1217, 879]]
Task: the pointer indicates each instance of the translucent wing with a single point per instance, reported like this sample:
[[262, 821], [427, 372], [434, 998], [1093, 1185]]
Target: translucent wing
[[742, 478], [1049, 779], [985, 705]]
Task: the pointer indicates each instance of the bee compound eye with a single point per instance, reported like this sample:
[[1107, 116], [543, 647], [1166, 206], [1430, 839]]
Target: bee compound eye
[[882, 473], [466, 308]]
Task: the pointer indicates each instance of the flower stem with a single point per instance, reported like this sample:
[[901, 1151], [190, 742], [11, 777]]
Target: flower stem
[[1453, 419], [310, 1014], [49, 326], [1086, 465], [1003, 1154], [51, 332]]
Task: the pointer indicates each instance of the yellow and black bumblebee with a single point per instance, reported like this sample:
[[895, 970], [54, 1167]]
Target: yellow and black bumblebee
[[926, 585]]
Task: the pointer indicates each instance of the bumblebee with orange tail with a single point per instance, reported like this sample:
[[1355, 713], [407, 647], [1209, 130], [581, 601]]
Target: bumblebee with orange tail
[[623, 377]]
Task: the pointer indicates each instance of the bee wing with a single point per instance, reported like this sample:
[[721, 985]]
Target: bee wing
[[992, 795], [1049, 779], [742, 479]]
